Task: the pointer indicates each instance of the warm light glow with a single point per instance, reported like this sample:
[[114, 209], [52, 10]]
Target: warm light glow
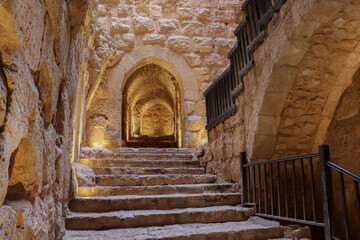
[[87, 192], [98, 144]]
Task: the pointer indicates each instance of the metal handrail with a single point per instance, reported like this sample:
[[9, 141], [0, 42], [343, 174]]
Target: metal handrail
[[344, 171], [256, 178]]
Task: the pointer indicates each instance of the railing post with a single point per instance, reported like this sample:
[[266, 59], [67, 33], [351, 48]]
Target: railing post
[[328, 202], [243, 178]]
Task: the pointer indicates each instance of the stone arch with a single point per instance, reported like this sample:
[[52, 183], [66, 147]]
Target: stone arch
[[302, 78], [151, 86], [114, 81]]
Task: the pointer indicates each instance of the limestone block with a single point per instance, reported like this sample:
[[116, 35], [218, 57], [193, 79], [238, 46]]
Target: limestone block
[[9, 40], [144, 25], [154, 39], [349, 106], [224, 45], [155, 10], [7, 223], [204, 86], [204, 14], [111, 3], [225, 16], [179, 44], [193, 60], [142, 7], [200, 108], [215, 60], [103, 10], [218, 29], [235, 169], [124, 11], [191, 95], [120, 25], [192, 139], [124, 42], [203, 45], [3, 97], [196, 123], [85, 175], [185, 13], [189, 107], [193, 28], [202, 71], [29, 23], [167, 26]]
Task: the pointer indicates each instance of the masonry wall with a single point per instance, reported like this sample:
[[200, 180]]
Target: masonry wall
[[190, 37], [43, 64], [301, 70]]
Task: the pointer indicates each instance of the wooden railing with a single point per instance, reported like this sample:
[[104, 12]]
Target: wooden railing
[[300, 189], [250, 34]]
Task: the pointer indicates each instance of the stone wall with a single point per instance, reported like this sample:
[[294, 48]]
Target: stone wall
[[304, 65], [189, 38], [43, 65]]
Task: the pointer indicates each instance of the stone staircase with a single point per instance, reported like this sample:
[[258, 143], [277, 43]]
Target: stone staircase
[[160, 194]]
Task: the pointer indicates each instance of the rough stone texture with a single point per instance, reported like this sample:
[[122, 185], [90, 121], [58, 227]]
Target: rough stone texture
[[43, 62], [253, 229], [301, 69], [136, 203], [184, 35]]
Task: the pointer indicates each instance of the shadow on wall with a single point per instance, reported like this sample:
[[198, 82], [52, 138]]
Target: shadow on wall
[[344, 137]]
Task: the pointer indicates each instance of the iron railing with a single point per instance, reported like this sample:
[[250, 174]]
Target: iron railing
[[219, 101], [250, 34], [299, 189]]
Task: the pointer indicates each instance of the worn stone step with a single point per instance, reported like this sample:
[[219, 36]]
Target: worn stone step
[[166, 201], [154, 154], [146, 180], [139, 163], [147, 218], [252, 229], [146, 171], [154, 190]]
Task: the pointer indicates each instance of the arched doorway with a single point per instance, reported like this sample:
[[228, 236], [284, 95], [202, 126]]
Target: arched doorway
[[151, 108]]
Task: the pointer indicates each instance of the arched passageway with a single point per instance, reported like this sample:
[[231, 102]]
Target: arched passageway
[[151, 108]]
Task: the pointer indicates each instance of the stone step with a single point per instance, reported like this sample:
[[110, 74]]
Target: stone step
[[138, 202], [139, 163], [252, 229], [150, 156], [144, 154], [147, 180], [154, 190], [146, 171], [147, 218]]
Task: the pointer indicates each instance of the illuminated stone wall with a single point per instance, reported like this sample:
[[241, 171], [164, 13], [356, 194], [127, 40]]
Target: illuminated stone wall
[[188, 38], [43, 64], [301, 70]]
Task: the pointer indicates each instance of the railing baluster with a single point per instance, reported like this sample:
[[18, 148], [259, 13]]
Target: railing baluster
[[286, 191], [259, 170], [278, 188], [312, 190], [254, 185], [326, 181], [357, 194], [343, 197], [265, 188], [244, 186], [271, 189], [248, 184], [303, 188], [294, 188]]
